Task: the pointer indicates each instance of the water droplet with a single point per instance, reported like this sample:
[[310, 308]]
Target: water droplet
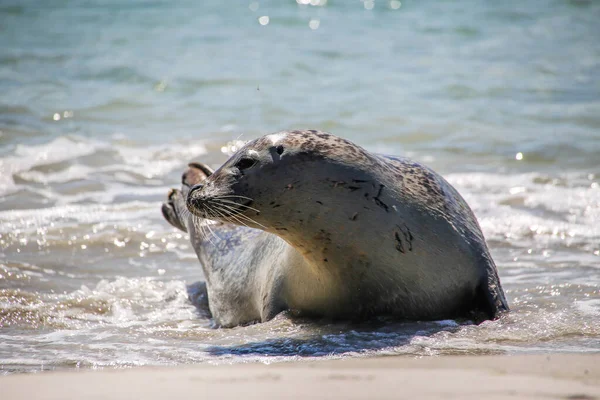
[[160, 86], [314, 24], [264, 20], [253, 6], [395, 4], [519, 156], [369, 4], [56, 117]]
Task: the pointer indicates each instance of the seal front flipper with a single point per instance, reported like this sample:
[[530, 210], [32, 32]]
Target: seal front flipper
[[169, 210], [196, 173], [173, 210]]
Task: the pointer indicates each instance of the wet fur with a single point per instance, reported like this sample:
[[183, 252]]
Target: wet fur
[[344, 233]]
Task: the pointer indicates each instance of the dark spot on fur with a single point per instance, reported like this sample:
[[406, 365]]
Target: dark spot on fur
[[378, 200], [359, 181], [408, 237], [353, 188], [353, 217], [281, 229], [324, 237], [325, 259], [320, 202], [399, 245], [277, 205]]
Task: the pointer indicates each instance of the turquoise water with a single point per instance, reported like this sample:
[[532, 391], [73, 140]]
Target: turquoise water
[[102, 104]]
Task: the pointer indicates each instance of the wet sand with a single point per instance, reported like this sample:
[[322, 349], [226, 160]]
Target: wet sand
[[562, 376]]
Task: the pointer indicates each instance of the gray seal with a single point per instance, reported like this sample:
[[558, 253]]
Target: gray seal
[[311, 222]]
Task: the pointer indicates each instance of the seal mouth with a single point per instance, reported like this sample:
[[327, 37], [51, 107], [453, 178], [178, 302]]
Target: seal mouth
[[225, 207], [218, 207]]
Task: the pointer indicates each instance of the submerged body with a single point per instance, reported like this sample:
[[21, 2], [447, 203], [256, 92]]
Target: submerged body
[[336, 231]]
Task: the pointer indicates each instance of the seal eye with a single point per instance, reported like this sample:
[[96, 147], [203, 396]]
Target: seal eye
[[245, 163], [280, 149]]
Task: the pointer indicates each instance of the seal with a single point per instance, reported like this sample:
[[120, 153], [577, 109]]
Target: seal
[[311, 222], [237, 261]]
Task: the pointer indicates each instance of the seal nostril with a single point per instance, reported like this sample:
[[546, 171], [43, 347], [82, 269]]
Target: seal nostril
[[280, 149], [194, 199], [196, 187]]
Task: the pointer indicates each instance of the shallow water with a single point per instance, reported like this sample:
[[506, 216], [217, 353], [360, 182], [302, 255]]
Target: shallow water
[[103, 104]]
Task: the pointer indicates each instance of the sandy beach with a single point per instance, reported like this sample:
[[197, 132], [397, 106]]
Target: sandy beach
[[563, 376]]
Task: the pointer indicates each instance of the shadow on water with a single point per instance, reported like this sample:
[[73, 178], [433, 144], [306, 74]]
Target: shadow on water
[[319, 338], [326, 338]]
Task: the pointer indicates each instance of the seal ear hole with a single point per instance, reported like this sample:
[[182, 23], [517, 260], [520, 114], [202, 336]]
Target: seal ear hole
[[279, 149], [245, 163]]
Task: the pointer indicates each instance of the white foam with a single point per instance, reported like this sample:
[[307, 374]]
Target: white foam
[[147, 161], [529, 206], [589, 307], [157, 160], [26, 157]]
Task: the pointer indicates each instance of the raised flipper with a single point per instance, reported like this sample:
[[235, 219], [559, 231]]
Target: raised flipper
[[169, 210], [172, 209], [175, 212]]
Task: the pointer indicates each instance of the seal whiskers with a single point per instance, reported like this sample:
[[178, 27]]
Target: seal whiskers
[[233, 213], [230, 217], [221, 200]]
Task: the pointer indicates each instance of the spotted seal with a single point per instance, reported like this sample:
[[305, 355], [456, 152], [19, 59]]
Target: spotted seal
[[311, 222]]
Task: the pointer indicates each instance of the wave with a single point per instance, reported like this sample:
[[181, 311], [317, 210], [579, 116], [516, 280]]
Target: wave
[[107, 164]]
